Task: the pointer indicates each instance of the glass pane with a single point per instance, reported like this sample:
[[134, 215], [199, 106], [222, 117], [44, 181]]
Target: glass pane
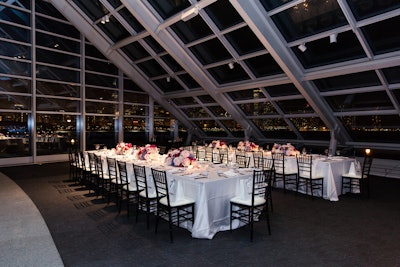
[[152, 68], [372, 128], [308, 18], [246, 45], [263, 66], [101, 66], [206, 99], [312, 128], [14, 132], [66, 60], [354, 80], [92, 51], [168, 86], [114, 30], [100, 130], [101, 94], [52, 73], [184, 101], [57, 27], [115, 3], [246, 94], [233, 127], [219, 111], [383, 36], [15, 85], [369, 8], [225, 74], [21, 3], [258, 109], [48, 9], [189, 81], [210, 52], [135, 51], [223, 14], [54, 133], [58, 89], [15, 33], [55, 104], [321, 52], [100, 107], [282, 90], [392, 75], [59, 43], [271, 4], [196, 112], [171, 62], [137, 110], [131, 97], [15, 67], [191, 30], [101, 80], [93, 9], [365, 101], [168, 8], [131, 86], [15, 102], [295, 106], [15, 16], [132, 21], [211, 128], [154, 44], [274, 128]]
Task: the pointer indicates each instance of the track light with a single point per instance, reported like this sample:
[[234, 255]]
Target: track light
[[103, 21], [168, 79], [302, 47], [107, 18], [231, 66], [333, 38]]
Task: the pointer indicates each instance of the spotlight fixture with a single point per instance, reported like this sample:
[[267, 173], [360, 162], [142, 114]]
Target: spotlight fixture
[[333, 38], [231, 66], [302, 47], [103, 21], [107, 18], [168, 79]]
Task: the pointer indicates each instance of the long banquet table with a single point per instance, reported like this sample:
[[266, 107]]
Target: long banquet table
[[211, 192]]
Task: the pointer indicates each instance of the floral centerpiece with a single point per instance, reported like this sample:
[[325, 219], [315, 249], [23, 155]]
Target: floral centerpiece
[[288, 149], [181, 158], [218, 144], [122, 148], [247, 146], [147, 152]]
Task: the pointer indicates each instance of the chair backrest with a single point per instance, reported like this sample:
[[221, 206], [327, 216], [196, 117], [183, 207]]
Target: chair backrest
[[243, 161], [209, 154], [92, 162], [217, 157], [163, 150], [267, 163], [81, 160], [140, 176], [201, 153], [279, 162], [223, 155], [99, 166], [260, 184], [112, 168], [123, 174], [304, 166], [241, 152], [366, 168], [258, 159], [71, 156], [161, 183]]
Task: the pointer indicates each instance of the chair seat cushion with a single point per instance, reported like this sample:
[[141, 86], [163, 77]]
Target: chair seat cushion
[[130, 187], [152, 194], [352, 175], [177, 203], [257, 201]]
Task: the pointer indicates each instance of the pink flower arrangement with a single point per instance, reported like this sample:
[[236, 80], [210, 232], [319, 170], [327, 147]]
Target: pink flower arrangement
[[147, 152], [247, 146], [181, 158], [218, 144], [122, 148], [288, 149]]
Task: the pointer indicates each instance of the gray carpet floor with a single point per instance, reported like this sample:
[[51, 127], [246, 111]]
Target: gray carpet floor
[[89, 232]]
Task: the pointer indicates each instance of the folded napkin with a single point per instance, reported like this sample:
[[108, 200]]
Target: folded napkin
[[230, 173]]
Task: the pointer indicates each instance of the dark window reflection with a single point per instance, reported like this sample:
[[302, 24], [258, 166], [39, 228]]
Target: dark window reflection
[[246, 94], [15, 85], [189, 81], [210, 52], [263, 66], [135, 51], [282, 90], [206, 99], [93, 9], [392, 75], [168, 86], [168, 8], [133, 22], [53, 73], [258, 108], [58, 89], [360, 102], [191, 30], [184, 101], [354, 80], [295, 106], [224, 74], [223, 14], [369, 8], [244, 45]]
